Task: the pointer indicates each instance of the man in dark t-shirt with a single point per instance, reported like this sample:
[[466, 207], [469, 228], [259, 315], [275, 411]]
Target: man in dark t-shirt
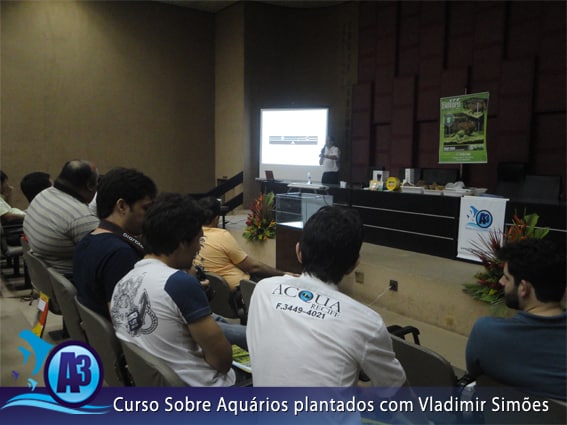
[[526, 351], [105, 255]]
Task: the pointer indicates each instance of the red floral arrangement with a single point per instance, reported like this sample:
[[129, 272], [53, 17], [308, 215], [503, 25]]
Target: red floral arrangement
[[487, 288], [260, 224]]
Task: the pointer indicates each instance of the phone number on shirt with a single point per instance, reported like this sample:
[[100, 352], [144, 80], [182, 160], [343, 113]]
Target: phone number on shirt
[[300, 310]]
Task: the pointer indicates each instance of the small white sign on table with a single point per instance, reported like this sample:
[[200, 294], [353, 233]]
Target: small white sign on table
[[479, 217]]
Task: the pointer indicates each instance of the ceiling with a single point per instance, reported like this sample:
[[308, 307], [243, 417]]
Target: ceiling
[[214, 6]]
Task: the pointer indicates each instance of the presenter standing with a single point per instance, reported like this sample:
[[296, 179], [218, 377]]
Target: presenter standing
[[329, 159]]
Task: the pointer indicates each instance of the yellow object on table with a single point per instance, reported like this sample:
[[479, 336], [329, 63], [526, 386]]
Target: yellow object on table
[[393, 183]]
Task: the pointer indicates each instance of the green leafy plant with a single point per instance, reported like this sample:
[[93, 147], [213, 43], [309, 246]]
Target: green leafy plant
[[260, 224], [486, 288]]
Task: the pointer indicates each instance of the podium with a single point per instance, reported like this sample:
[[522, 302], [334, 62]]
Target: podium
[[293, 209]]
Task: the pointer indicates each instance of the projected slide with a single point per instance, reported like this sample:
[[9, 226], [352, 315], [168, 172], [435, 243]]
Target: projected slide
[[291, 140]]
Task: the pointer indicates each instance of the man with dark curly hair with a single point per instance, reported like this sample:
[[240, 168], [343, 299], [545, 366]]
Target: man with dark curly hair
[[527, 351], [302, 331]]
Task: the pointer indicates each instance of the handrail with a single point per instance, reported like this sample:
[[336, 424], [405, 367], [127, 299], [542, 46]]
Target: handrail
[[223, 188]]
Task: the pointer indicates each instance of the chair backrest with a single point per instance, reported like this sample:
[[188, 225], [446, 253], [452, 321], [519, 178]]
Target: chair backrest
[[541, 188], [221, 303], [246, 288], [11, 233], [424, 367], [101, 336], [41, 280], [148, 370], [65, 292], [10, 250]]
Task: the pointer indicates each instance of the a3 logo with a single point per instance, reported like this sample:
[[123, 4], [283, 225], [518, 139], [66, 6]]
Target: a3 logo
[[484, 219], [73, 373], [479, 218]]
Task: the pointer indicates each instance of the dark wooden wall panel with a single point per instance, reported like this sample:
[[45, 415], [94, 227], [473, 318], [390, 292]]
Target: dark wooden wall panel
[[382, 157], [490, 20], [454, 81], [383, 89], [409, 45], [550, 96], [367, 14], [428, 145], [514, 50], [524, 30], [549, 145], [403, 119], [429, 88], [361, 131], [515, 114], [460, 34], [366, 54]]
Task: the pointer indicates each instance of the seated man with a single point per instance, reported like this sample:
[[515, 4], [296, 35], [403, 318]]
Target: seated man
[[104, 256], [8, 214], [59, 217], [163, 309], [33, 183], [221, 254], [526, 351], [306, 320]]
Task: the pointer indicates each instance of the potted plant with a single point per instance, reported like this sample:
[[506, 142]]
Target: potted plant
[[486, 288], [260, 224]]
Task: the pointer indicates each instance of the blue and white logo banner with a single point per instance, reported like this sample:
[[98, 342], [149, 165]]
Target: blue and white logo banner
[[479, 217]]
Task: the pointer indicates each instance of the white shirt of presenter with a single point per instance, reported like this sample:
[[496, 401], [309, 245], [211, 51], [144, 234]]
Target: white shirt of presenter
[[329, 164], [304, 332]]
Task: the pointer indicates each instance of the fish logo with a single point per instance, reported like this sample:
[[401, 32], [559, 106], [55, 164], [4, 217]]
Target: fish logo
[[40, 349], [32, 383], [305, 296]]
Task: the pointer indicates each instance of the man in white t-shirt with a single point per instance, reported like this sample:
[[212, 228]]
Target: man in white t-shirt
[[303, 332], [329, 158], [162, 309]]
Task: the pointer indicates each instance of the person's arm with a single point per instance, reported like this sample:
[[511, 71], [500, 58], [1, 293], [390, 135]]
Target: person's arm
[[330, 156], [252, 266], [185, 291], [216, 348], [9, 214], [334, 153], [379, 360], [473, 353], [11, 217]]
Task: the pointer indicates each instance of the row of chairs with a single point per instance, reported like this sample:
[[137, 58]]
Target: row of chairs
[[125, 364]]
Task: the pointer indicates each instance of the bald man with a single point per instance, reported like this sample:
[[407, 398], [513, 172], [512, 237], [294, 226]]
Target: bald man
[[59, 217]]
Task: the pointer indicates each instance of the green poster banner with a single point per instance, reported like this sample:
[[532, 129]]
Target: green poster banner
[[462, 129]]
